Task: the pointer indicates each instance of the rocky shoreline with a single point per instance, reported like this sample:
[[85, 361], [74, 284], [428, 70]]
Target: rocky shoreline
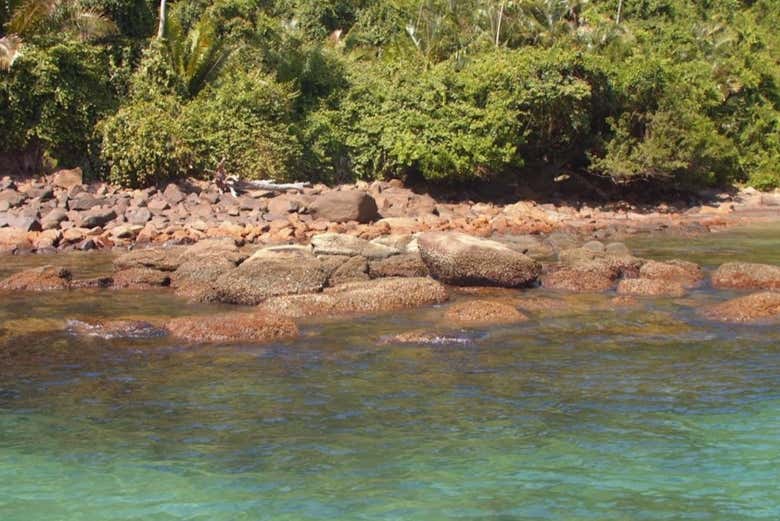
[[61, 213], [276, 288]]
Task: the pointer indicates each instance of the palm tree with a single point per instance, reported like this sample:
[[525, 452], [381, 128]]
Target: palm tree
[[37, 17], [196, 55]]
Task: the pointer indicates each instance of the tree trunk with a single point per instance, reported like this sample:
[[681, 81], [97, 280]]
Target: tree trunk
[[498, 25], [620, 12], [163, 16]]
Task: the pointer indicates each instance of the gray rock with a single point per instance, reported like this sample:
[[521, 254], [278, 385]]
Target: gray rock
[[173, 194], [97, 217], [12, 198], [52, 220], [138, 216], [84, 201]]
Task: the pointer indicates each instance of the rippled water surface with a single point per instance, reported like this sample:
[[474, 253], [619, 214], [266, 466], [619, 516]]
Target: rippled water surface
[[596, 413]]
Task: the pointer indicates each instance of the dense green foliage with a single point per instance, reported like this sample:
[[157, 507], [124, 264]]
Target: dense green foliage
[[684, 94]]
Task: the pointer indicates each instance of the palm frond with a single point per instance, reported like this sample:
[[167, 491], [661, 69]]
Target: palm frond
[[93, 25], [10, 50]]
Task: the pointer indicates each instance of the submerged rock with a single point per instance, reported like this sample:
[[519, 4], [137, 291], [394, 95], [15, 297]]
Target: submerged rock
[[744, 275], [360, 298], [483, 313], [650, 288], [45, 278], [115, 329], [232, 327], [421, 336], [141, 278], [752, 308], [463, 260]]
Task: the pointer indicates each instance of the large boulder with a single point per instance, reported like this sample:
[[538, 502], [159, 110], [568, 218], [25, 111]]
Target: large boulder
[[270, 273], [752, 308], [232, 327], [483, 313], [360, 298], [463, 260], [343, 206], [45, 278], [744, 275], [349, 245]]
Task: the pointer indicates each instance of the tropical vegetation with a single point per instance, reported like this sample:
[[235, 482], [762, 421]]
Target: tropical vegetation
[[676, 93]]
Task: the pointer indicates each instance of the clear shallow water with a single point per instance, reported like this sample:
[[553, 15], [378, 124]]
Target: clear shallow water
[[645, 413]]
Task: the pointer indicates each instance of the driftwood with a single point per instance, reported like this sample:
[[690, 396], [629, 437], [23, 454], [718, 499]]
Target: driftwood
[[234, 184], [273, 186]]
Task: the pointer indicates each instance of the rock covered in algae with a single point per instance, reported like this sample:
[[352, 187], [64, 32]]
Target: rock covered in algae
[[757, 307], [360, 298]]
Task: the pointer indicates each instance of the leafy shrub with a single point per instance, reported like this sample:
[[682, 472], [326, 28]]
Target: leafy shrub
[[244, 123], [143, 143], [664, 129], [501, 111], [52, 98]]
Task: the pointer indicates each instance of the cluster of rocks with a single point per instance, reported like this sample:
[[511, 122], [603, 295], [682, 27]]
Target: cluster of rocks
[[61, 212], [340, 275]]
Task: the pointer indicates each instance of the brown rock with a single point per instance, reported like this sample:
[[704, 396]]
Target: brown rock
[[12, 240], [68, 178], [360, 298], [463, 260], [141, 278], [45, 278], [173, 194], [344, 206], [651, 288], [743, 275], [752, 308], [483, 313], [686, 273], [232, 328]]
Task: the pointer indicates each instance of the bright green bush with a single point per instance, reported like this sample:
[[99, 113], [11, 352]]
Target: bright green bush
[[243, 123], [501, 111], [144, 143], [52, 98], [664, 129]]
